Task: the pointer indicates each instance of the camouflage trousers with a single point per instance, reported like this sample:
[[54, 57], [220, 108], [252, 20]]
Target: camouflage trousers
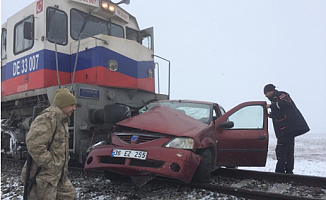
[[45, 191]]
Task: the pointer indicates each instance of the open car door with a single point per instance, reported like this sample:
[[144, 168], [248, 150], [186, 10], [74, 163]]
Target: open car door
[[245, 141]]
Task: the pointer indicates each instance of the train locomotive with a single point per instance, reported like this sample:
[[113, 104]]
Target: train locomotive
[[92, 47]]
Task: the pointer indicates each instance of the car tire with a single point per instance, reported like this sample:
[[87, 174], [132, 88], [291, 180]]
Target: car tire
[[203, 172], [111, 176]]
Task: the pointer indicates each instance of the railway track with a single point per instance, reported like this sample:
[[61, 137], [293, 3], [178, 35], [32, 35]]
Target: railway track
[[247, 184], [263, 185]]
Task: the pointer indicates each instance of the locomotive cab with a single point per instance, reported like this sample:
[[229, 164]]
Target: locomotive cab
[[94, 48]]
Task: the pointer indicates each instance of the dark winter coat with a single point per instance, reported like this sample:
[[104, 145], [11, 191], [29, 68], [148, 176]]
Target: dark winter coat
[[287, 119]]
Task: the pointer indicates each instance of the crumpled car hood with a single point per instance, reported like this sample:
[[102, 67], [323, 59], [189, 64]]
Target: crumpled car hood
[[163, 119]]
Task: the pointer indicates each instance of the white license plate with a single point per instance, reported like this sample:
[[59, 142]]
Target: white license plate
[[129, 154]]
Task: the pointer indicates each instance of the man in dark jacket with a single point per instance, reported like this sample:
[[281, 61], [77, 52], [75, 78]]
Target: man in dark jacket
[[288, 123]]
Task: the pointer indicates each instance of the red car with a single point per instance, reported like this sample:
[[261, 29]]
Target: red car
[[185, 140]]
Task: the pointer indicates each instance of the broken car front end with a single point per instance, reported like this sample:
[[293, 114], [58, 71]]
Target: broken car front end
[[149, 157], [158, 142]]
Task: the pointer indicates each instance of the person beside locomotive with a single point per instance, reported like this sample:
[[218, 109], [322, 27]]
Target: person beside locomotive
[[51, 181], [288, 123]]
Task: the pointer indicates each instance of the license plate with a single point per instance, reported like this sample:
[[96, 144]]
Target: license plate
[[129, 154]]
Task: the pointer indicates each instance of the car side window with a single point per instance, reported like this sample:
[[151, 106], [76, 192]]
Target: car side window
[[222, 110], [249, 117], [216, 114]]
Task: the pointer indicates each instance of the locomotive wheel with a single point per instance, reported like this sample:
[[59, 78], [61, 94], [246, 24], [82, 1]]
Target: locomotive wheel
[[203, 172], [5, 143], [10, 146]]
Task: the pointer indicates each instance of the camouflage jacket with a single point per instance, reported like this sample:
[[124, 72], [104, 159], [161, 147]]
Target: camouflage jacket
[[54, 163]]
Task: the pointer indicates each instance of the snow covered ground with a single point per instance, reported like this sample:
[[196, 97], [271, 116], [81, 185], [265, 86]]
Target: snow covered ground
[[309, 155], [310, 159]]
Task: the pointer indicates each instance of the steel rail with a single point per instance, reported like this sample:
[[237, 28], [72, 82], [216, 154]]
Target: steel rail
[[298, 180], [248, 193], [313, 181]]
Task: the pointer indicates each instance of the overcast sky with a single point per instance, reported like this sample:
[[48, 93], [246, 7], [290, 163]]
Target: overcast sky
[[227, 51]]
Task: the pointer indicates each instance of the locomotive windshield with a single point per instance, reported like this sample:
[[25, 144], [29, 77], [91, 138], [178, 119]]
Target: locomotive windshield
[[56, 26], [90, 25]]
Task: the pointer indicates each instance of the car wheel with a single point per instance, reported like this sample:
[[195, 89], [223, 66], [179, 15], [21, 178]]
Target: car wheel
[[111, 175], [203, 172]]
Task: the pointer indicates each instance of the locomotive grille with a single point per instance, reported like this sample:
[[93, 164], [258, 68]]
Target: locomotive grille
[[25, 102], [139, 140]]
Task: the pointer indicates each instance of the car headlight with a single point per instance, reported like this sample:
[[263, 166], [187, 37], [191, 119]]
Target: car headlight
[[181, 143], [93, 146]]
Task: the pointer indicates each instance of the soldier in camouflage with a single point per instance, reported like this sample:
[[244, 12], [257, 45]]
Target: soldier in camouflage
[[52, 183]]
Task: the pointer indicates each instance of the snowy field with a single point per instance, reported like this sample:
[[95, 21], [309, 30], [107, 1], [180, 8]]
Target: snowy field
[[309, 155], [310, 159]]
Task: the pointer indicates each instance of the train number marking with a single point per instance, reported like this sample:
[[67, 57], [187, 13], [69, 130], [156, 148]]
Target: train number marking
[[25, 65]]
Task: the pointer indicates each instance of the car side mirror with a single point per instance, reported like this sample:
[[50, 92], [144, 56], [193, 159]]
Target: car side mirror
[[28, 31], [228, 124]]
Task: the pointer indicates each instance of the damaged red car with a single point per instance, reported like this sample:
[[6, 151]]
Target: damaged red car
[[184, 140]]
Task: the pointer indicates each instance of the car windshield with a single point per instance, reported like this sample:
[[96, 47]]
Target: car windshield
[[195, 110]]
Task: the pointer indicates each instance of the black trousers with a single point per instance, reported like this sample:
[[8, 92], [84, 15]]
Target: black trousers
[[285, 154]]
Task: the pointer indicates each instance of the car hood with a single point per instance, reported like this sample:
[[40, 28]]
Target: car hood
[[163, 119]]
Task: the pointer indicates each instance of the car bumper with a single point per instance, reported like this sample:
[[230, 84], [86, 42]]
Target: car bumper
[[167, 162]]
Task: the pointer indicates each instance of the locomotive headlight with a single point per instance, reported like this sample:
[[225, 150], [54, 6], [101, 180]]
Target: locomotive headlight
[[113, 65], [181, 143], [111, 8], [107, 6]]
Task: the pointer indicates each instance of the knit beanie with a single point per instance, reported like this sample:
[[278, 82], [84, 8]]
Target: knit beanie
[[268, 88], [64, 98]]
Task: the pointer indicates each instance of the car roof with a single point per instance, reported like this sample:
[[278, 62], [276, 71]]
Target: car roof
[[190, 101]]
